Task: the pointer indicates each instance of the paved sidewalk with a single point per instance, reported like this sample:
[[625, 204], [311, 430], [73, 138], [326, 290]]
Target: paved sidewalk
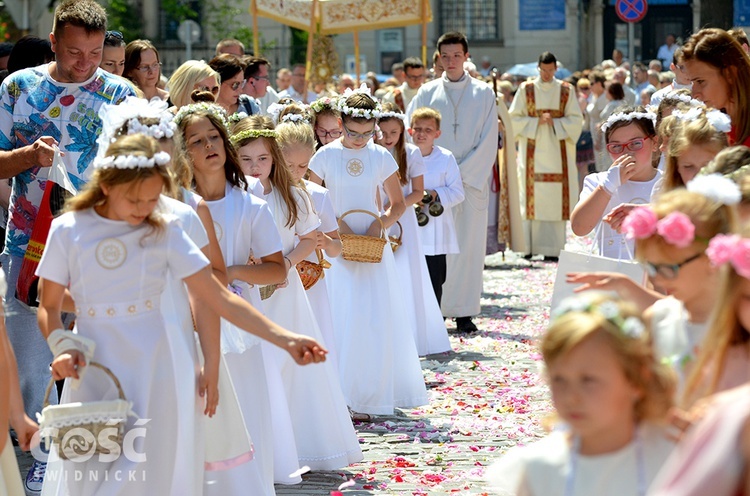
[[485, 396]]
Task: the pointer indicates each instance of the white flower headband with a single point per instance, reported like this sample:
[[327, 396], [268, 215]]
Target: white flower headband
[[321, 104], [252, 133], [208, 108], [114, 117], [628, 117], [131, 161], [357, 112], [392, 115], [717, 188], [631, 327], [718, 119], [237, 117], [687, 99], [295, 118], [275, 109]]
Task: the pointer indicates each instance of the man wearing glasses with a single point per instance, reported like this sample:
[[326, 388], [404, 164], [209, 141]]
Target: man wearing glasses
[[258, 84], [415, 76], [298, 90]]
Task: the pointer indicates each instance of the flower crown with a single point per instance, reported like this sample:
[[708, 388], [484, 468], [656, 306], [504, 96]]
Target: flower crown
[[295, 118], [165, 128], [718, 119], [628, 117], [392, 115], [237, 117], [733, 249], [205, 108], [324, 103], [131, 161], [252, 133], [368, 114], [687, 99], [676, 227], [631, 327], [275, 109], [129, 112]]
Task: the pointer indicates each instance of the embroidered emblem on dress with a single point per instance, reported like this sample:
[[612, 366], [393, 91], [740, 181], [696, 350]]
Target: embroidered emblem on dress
[[111, 253], [355, 167]]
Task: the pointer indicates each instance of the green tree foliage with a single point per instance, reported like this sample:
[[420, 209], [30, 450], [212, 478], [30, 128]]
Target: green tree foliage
[[124, 17]]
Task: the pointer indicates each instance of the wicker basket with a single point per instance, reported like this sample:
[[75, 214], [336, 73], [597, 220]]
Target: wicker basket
[[361, 248], [74, 427], [396, 240], [311, 272], [267, 291]]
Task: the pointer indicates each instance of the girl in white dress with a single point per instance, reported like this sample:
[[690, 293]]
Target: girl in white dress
[[297, 145], [244, 227], [671, 238], [613, 397], [378, 362], [428, 324], [325, 121], [112, 251], [631, 141], [323, 432]]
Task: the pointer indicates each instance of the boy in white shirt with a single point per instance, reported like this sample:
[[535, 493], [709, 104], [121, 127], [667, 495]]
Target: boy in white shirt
[[442, 180]]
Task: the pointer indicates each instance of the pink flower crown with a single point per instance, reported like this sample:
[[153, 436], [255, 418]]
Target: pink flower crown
[[733, 249], [676, 228]]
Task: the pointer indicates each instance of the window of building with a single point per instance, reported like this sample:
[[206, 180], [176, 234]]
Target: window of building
[[478, 19]]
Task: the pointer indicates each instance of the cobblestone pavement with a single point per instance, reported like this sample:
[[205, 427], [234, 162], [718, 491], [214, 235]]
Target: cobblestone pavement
[[485, 396]]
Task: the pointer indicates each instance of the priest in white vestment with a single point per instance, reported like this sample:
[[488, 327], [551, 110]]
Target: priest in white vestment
[[547, 121], [469, 130]]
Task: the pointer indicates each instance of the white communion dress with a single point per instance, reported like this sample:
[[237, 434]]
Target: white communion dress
[[116, 274], [379, 366], [323, 430]]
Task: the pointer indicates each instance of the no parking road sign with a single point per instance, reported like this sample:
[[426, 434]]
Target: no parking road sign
[[631, 10]]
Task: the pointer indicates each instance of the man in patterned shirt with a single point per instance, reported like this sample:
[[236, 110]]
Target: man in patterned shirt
[[53, 105]]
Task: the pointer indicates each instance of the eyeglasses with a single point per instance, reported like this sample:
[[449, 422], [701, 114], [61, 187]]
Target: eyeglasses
[[322, 133], [237, 85], [114, 34], [298, 75], [263, 78], [668, 271], [632, 145], [214, 90], [417, 77], [149, 68], [357, 136]]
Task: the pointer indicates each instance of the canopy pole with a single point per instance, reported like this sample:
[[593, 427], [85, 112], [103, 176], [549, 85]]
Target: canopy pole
[[310, 35], [356, 56], [256, 37], [424, 32]]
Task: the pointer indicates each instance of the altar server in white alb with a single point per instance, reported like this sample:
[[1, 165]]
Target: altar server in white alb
[[547, 122], [442, 180], [470, 133]]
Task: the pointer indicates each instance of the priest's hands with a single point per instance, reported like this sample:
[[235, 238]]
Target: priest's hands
[[546, 118]]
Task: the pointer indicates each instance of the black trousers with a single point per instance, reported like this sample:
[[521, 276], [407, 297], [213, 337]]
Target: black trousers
[[436, 266]]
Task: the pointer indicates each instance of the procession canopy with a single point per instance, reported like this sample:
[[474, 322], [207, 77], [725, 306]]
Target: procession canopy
[[344, 16]]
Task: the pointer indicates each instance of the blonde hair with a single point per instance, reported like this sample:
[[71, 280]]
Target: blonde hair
[[138, 145], [724, 332], [399, 150], [635, 354], [295, 134], [183, 80], [697, 132], [709, 218], [280, 177], [426, 113]]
